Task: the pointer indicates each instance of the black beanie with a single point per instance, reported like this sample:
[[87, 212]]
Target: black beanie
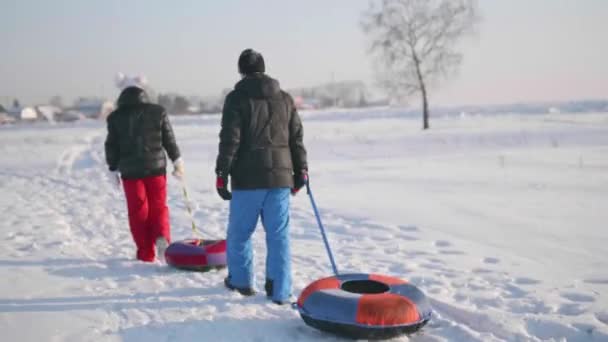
[[251, 61]]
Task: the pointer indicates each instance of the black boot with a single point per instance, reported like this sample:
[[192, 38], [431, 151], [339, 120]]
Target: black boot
[[248, 291], [268, 288], [282, 302]]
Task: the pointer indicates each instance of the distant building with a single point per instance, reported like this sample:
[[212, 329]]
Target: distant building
[[5, 118], [23, 113], [69, 116], [93, 108], [211, 106], [48, 112], [349, 94], [306, 103], [193, 109]]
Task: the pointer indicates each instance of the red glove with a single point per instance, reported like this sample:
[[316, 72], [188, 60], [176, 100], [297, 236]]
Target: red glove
[[221, 185], [300, 180]]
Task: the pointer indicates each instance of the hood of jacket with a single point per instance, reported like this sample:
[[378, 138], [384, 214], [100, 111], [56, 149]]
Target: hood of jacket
[[259, 86], [132, 96]]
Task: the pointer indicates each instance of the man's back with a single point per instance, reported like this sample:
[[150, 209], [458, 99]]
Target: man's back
[[261, 138]]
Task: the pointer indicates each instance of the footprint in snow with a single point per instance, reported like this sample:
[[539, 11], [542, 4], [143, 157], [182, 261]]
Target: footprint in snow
[[451, 252], [409, 228], [530, 306], [547, 330], [590, 331], [602, 317], [596, 281], [481, 271], [442, 243], [391, 250], [408, 238], [490, 260], [578, 297], [571, 309], [513, 291], [526, 281], [415, 253], [399, 270]]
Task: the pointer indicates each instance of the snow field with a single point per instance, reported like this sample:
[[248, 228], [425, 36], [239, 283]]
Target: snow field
[[500, 220]]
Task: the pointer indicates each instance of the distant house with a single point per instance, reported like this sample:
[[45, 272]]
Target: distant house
[[554, 110], [4, 117], [48, 112], [93, 108], [306, 103], [209, 104], [347, 94], [69, 115], [194, 109], [23, 113]]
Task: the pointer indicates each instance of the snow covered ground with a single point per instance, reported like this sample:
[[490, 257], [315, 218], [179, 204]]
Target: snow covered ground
[[500, 220]]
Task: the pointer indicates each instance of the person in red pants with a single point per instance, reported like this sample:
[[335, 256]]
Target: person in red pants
[[139, 137]]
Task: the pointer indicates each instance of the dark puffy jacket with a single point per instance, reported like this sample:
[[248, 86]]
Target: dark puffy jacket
[[261, 137], [139, 133]]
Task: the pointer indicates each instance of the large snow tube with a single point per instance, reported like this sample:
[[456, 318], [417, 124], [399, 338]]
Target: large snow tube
[[364, 306], [197, 255]]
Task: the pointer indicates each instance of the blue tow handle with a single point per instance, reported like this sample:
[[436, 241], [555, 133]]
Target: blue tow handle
[[327, 247]]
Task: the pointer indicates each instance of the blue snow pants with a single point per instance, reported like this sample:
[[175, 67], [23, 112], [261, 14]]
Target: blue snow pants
[[246, 206]]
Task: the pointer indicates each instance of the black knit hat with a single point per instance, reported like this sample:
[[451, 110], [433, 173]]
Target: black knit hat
[[251, 61]]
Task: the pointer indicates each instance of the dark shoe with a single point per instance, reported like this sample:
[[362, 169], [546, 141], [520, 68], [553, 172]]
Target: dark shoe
[[289, 300], [248, 291], [268, 288]]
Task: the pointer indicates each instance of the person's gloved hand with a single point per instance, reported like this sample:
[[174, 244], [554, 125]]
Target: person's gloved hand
[[115, 179], [178, 169], [221, 185], [299, 181]]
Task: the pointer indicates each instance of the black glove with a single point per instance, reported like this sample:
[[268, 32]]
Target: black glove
[[300, 180], [221, 185]]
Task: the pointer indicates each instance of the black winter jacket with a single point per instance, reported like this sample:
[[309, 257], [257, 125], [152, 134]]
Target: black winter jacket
[[139, 133], [261, 139]]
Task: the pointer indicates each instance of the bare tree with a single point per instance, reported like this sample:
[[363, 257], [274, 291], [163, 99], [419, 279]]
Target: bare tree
[[180, 105], [415, 40], [56, 101]]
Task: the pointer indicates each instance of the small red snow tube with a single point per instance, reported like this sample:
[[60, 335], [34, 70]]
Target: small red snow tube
[[197, 255], [364, 306]]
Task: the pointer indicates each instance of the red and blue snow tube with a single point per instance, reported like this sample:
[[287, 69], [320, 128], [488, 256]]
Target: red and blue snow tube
[[364, 306], [197, 255]]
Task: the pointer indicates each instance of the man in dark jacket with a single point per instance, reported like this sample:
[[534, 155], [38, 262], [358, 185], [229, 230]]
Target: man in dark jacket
[[139, 134], [261, 148]]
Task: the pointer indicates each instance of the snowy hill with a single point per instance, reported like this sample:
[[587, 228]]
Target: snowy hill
[[500, 220]]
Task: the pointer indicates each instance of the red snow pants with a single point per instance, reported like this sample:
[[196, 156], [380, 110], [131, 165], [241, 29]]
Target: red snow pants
[[148, 213]]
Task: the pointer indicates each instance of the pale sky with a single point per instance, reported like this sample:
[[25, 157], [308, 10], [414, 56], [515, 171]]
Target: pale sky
[[525, 50]]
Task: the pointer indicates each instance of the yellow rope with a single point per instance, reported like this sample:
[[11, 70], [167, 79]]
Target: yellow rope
[[189, 208]]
